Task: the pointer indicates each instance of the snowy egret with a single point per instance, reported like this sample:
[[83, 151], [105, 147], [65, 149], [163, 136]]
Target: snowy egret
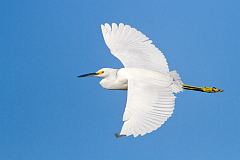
[[146, 76]]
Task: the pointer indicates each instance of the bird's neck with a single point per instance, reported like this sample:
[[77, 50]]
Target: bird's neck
[[112, 75]]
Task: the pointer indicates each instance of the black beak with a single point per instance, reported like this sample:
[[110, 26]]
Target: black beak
[[86, 75]]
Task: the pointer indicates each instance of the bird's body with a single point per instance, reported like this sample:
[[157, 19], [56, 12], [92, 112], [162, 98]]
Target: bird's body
[[118, 79], [146, 76]]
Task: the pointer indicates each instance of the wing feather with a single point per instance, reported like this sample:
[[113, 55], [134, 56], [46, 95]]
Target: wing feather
[[133, 48], [148, 106]]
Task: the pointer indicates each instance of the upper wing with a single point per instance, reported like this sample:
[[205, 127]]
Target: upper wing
[[150, 103], [133, 48]]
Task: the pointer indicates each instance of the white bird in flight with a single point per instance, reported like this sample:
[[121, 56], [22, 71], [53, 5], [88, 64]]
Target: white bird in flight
[[146, 76]]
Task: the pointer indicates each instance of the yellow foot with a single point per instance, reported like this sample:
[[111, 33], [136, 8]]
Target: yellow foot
[[211, 89], [202, 89]]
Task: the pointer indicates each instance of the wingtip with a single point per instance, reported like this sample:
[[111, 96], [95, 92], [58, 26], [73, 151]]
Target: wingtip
[[118, 135], [102, 27], [106, 24], [110, 25]]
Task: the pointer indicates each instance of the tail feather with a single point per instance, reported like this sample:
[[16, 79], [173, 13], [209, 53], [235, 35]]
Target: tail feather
[[177, 82]]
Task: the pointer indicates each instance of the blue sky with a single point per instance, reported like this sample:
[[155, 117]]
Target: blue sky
[[47, 113]]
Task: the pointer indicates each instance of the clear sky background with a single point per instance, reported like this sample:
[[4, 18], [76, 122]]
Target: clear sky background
[[47, 113]]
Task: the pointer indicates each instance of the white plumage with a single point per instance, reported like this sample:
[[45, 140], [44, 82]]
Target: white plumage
[[146, 76], [150, 100], [133, 48]]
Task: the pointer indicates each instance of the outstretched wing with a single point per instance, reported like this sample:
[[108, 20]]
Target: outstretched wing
[[133, 48], [150, 103]]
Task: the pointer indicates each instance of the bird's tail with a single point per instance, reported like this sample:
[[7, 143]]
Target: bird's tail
[[177, 82], [202, 89]]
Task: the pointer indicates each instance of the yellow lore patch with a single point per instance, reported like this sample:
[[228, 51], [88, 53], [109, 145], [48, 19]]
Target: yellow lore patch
[[99, 72]]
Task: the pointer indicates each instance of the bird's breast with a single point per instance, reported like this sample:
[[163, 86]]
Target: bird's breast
[[114, 84]]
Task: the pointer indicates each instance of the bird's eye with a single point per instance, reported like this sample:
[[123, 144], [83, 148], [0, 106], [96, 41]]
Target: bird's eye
[[102, 72]]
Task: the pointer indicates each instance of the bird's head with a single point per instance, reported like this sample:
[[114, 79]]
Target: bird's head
[[104, 72]]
